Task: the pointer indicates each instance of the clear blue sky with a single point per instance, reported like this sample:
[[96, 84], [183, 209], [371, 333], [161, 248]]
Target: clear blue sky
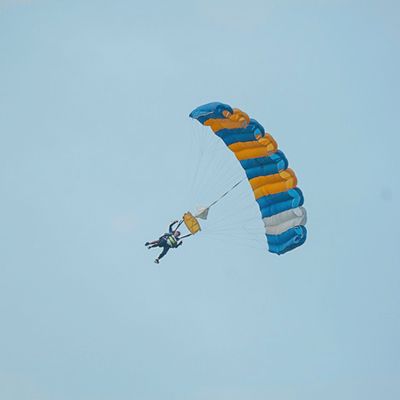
[[97, 155]]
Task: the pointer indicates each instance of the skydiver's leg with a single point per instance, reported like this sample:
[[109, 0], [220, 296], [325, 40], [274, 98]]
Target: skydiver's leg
[[163, 253], [154, 243]]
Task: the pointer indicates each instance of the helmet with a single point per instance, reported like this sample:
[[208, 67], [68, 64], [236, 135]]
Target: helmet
[[177, 233]]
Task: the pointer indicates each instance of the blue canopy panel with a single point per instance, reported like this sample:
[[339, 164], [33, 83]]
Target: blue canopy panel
[[288, 240], [263, 166], [210, 111], [253, 131], [279, 202]]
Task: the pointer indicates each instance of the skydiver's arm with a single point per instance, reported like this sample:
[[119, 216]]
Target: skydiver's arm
[[171, 229]]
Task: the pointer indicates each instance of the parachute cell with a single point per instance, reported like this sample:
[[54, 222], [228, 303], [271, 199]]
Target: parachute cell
[[273, 183]]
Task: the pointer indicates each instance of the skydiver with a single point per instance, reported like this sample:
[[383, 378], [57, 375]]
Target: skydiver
[[170, 240]]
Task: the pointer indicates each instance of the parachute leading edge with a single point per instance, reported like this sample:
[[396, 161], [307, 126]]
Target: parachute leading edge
[[273, 183]]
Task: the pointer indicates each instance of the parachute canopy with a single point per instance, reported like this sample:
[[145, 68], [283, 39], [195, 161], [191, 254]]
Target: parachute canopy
[[266, 167], [191, 223]]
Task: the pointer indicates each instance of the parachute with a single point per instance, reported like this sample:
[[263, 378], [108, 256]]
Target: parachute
[[266, 167]]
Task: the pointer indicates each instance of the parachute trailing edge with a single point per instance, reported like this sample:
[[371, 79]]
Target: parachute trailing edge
[[266, 167]]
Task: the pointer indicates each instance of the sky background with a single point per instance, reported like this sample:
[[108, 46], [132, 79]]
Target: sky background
[[98, 155]]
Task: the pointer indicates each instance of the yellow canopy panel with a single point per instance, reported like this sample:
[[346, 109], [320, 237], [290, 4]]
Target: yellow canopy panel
[[191, 223]]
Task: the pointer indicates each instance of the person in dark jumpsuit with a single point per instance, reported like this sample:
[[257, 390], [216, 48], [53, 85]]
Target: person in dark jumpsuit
[[170, 240]]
